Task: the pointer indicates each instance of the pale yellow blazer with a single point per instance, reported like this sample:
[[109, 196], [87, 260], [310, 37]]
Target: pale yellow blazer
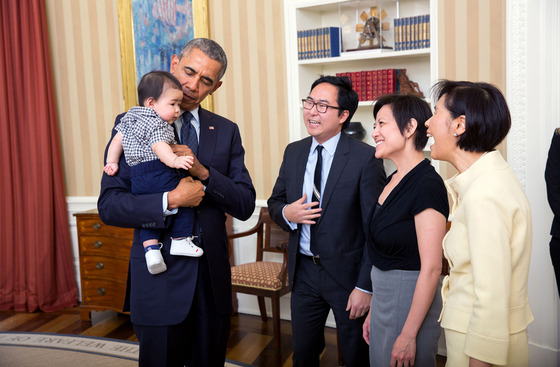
[[488, 248]]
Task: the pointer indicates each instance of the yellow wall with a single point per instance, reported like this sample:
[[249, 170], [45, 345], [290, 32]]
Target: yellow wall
[[87, 74], [472, 40], [472, 46], [254, 90]]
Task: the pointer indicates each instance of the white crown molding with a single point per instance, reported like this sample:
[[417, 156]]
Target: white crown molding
[[516, 90]]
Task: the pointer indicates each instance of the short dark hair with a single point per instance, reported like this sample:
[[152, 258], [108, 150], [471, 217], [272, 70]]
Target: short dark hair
[[487, 117], [154, 83], [347, 98], [406, 107], [211, 49]]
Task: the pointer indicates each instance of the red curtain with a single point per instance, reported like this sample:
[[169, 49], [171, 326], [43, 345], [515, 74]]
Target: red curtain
[[36, 264]]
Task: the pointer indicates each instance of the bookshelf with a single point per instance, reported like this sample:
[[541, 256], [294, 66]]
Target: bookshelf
[[421, 64]]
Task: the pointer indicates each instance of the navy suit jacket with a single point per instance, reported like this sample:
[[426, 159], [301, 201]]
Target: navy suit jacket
[[165, 298], [355, 180]]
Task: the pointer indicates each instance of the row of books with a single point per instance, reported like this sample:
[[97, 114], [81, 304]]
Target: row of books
[[318, 43], [372, 84], [412, 32]]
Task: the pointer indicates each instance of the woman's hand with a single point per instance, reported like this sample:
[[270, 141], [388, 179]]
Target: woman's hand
[[365, 328], [404, 352], [473, 362]]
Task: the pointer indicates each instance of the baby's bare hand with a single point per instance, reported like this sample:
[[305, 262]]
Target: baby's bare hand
[[111, 168], [184, 162]]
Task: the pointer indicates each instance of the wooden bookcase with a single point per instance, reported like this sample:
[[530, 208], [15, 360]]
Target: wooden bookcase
[[421, 64]]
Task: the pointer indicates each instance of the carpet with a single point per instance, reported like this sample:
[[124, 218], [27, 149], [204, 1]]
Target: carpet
[[54, 350]]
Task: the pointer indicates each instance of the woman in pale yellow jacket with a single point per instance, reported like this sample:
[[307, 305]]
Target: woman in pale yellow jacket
[[486, 308]]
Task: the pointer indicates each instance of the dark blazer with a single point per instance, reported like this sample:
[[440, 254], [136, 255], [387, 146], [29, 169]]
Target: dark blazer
[[355, 180], [165, 299], [552, 178]]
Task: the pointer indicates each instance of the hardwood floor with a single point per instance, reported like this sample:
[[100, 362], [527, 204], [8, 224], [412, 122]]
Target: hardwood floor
[[250, 341]]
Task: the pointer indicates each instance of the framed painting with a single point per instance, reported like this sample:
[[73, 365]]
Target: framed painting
[[151, 32]]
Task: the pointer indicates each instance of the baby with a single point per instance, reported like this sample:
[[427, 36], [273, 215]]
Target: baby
[[144, 134]]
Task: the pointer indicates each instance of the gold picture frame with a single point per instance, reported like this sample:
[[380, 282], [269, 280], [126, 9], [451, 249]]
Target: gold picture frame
[[128, 57]]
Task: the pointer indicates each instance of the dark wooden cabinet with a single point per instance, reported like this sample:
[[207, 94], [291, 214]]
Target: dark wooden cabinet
[[104, 253]]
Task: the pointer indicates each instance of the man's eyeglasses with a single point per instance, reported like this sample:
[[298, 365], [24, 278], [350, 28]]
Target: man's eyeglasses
[[321, 107]]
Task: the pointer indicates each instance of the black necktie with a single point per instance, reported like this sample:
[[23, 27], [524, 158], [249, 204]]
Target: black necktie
[[316, 195], [317, 178], [188, 133]]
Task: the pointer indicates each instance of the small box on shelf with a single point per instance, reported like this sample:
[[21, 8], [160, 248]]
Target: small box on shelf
[[368, 25]]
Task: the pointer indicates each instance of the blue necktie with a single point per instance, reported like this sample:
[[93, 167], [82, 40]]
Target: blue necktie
[[175, 133], [188, 133]]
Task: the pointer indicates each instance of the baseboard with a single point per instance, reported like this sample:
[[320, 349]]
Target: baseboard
[[540, 355]]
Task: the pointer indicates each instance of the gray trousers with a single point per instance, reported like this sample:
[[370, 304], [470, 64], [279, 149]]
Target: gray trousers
[[392, 297]]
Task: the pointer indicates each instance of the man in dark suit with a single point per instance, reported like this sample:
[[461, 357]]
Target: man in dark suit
[[182, 316], [325, 210]]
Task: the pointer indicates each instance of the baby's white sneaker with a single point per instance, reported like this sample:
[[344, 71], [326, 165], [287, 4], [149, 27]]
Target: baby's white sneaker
[[154, 260], [185, 247]]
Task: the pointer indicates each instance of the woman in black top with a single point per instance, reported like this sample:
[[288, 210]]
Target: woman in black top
[[552, 178], [405, 240]]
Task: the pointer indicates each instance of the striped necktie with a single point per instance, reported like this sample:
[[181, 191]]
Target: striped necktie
[[317, 177], [316, 196]]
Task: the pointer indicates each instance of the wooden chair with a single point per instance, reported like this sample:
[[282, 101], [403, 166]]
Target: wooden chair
[[263, 278]]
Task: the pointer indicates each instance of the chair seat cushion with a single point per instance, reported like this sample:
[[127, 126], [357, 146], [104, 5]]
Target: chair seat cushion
[[260, 274]]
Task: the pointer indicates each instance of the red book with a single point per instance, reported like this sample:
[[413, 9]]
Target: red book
[[390, 80], [369, 86], [363, 86], [384, 79], [373, 85], [379, 84], [356, 82]]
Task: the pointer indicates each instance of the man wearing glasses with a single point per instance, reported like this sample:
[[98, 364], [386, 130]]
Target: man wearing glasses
[[326, 188]]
